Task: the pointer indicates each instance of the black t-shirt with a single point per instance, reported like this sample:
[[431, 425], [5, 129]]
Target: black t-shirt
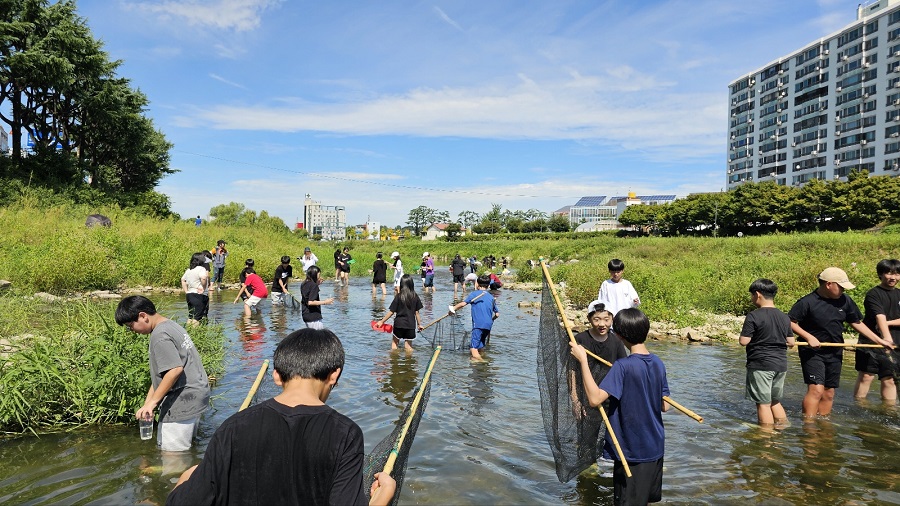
[[310, 291], [379, 271], [768, 330], [276, 454], [284, 273], [405, 316], [458, 266], [344, 257], [824, 319], [611, 350], [878, 301], [337, 255]]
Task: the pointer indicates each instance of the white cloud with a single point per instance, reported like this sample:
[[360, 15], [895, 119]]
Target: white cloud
[[447, 18], [226, 81], [621, 107], [237, 15]]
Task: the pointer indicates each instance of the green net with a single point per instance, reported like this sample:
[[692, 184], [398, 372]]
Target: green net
[[573, 428], [450, 334]]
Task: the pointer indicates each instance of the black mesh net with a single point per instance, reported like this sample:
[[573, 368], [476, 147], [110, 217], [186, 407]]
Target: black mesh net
[[378, 457], [449, 333], [574, 429]]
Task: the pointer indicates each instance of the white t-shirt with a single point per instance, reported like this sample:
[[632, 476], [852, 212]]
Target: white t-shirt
[[197, 280], [618, 296], [308, 262], [398, 272]]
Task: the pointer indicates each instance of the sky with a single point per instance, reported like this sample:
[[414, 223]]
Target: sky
[[382, 107]]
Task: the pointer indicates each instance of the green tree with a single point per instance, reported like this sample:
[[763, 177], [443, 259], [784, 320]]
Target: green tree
[[421, 217], [559, 223], [227, 214], [468, 218], [453, 230]]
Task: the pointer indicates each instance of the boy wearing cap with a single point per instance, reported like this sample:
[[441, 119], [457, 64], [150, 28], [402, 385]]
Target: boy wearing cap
[[819, 317], [397, 265], [882, 307], [308, 259]]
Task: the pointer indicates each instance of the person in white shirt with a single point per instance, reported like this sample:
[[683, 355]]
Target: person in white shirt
[[308, 259], [617, 293]]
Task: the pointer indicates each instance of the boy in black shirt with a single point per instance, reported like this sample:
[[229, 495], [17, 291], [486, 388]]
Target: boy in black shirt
[[819, 317], [766, 334], [882, 307], [291, 449], [283, 275]]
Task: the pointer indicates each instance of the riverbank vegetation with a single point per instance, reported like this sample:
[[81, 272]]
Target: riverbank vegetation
[[65, 365]]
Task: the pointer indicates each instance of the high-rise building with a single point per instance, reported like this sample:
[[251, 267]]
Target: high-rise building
[[329, 222], [823, 110]]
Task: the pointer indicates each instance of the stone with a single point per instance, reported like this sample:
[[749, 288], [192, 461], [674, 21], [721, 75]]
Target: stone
[[693, 336], [97, 219], [46, 297], [5, 285]]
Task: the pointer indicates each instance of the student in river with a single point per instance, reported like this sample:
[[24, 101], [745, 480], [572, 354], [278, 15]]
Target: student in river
[[397, 267], [597, 340], [458, 271], [428, 270], [406, 306], [882, 307], [308, 259], [283, 275], [242, 277], [819, 317], [337, 266], [220, 254], [195, 283], [292, 448], [179, 386], [255, 288], [635, 386], [344, 260], [379, 274], [616, 292], [484, 312], [309, 298], [767, 335]]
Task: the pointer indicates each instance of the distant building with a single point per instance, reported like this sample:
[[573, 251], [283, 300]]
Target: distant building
[[436, 230], [562, 211], [822, 110], [373, 230], [4, 141], [329, 222], [601, 213]]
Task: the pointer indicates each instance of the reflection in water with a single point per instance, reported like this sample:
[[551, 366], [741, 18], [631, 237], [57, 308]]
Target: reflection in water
[[252, 331], [481, 385], [398, 375], [278, 317]]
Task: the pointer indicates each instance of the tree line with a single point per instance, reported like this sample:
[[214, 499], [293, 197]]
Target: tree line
[[860, 202], [495, 221], [76, 126]]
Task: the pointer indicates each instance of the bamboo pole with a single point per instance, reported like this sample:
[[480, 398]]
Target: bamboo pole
[[559, 307], [255, 387], [482, 294], [842, 345], [392, 458]]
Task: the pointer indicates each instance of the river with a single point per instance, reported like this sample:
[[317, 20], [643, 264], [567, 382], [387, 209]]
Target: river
[[481, 440]]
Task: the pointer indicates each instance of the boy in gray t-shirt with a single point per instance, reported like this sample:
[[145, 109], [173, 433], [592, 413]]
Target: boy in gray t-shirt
[[179, 384]]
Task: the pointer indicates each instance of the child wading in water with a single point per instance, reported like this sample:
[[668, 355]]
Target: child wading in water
[[766, 334], [635, 386], [484, 312], [406, 306]]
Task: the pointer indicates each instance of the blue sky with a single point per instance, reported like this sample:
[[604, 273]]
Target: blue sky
[[385, 106]]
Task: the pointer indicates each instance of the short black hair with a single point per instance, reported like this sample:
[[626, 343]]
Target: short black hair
[[484, 280], [886, 266], [378, 255], [130, 307], [766, 287], [632, 325], [309, 353], [197, 259], [312, 273], [249, 262], [616, 265], [285, 259]]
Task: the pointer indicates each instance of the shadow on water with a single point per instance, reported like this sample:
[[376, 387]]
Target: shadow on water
[[481, 440]]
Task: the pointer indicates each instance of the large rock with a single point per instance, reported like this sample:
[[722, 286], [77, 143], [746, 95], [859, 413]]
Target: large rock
[[5, 285], [46, 297], [97, 219]]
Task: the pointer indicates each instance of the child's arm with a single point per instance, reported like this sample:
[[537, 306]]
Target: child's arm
[[184, 285], [866, 331], [595, 395], [204, 281], [811, 339], [240, 292], [461, 305], [419, 321], [168, 381], [388, 317], [283, 286]]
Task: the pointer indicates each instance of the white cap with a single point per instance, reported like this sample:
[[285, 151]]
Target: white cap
[[395, 254], [424, 254], [593, 306]]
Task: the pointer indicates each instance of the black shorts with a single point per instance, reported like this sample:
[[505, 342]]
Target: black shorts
[[459, 278], [408, 334], [198, 306], [644, 486], [874, 361], [821, 368]]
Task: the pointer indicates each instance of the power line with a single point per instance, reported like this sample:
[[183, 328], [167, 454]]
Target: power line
[[392, 185]]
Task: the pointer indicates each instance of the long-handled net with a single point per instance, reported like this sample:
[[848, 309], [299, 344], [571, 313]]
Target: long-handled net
[[392, 453], [573, 428], [448, 334]]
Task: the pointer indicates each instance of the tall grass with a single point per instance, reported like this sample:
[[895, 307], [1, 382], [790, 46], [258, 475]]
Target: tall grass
[[75, 366]]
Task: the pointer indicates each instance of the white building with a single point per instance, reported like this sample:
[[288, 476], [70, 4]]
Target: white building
[[600, 213], [436, 230], [823, 110], [373, 230], [330, 222], [4, 141]]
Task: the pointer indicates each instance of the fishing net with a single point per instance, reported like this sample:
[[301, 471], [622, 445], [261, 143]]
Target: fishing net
[[574, 429], [378, 457], [449, 333]]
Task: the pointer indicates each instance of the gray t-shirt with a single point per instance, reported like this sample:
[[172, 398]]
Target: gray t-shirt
[[171, 347]]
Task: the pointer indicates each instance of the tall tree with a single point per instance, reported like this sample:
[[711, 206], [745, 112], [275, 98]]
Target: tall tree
[[420, 217]]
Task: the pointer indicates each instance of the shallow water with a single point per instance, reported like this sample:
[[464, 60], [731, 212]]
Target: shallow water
[[481, 440]]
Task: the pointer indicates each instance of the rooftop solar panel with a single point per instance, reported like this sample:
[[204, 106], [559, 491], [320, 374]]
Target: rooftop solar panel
[[591, 201]]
